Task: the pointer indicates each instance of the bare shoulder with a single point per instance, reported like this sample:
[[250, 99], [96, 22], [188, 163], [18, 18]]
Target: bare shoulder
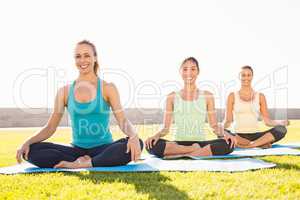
[[63, 93], [109, 90], [231, 96], [171, 96], [208, 94], [108, 86], [65, 88], [262, 97]]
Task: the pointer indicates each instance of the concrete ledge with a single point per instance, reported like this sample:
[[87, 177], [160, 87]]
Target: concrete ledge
[[37, 117]]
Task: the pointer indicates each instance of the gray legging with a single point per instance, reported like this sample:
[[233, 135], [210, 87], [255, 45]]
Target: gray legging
[[46, 154]]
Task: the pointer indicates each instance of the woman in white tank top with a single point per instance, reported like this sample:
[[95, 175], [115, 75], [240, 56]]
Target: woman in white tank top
[[244, 107]]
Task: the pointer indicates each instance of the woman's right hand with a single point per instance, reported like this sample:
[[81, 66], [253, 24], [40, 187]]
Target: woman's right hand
[[23, 151], [151, 141], [284, 122]]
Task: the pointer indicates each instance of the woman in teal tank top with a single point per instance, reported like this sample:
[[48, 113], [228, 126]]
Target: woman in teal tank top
[[89, 101], [188, 108]]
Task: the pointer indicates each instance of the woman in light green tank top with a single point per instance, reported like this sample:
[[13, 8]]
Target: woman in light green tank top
[[188, 108]]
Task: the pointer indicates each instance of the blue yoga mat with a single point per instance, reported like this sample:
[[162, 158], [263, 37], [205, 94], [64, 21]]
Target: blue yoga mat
[[290, 145], [152, 164], [276, 150]]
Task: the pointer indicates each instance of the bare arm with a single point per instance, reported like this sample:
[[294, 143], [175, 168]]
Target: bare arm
[[133, 144], [48, 130], [114, 100], [168, 116], [211, 114], [229, 111], [212, 119], [265, 114]]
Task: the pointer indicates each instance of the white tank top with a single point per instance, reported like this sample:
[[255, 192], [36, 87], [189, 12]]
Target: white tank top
[[246, 114]]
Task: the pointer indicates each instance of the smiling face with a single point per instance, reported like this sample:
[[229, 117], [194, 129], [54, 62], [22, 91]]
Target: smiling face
[[246, 77], [85, 58], [189, 72]]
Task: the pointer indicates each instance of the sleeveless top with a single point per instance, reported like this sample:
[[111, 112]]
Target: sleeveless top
[[89, 120], [246, 114], [189, 118]]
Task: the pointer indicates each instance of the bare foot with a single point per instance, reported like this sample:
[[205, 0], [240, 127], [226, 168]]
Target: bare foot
[[67, 164], [251, 145], [245, 146], [200, 152], [195, 151], [242, 146], [266, 146], [83, 159], [196, 145], [81, 162]]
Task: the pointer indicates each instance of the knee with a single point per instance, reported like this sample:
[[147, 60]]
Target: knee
[[158, 149], [39, 145], [281, 129], [141, 144], [125, 141], [35, 145], [278, 132], [33, 148], [221, 148], [228, 148]]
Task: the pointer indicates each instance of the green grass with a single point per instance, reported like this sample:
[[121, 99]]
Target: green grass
[[282, 182]]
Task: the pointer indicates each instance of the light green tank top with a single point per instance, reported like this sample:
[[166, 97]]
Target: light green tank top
[[189, 118]]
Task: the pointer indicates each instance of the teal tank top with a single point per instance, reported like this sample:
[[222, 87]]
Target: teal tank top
[[189, 118], [89, 120]]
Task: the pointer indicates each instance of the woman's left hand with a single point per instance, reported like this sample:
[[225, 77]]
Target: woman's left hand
[[284, 122], [134, 147], [230, 139]]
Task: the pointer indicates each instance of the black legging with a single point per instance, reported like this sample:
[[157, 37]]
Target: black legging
[[218, 146], [278, 133], [46, 154]]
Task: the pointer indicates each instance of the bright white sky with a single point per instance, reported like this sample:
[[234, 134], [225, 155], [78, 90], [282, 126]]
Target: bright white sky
[[142, 43]]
